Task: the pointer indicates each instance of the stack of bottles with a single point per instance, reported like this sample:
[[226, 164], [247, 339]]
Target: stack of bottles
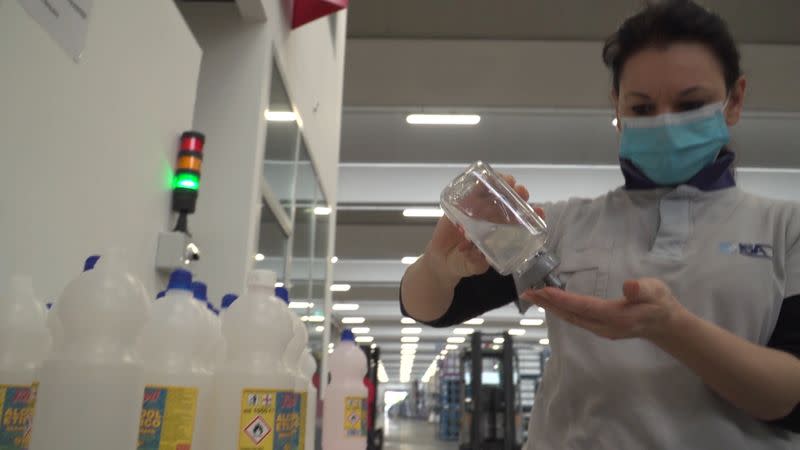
[[106, 368]]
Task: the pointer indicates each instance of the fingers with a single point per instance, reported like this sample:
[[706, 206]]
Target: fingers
[[523, 192], [540, 212], [510, 180]]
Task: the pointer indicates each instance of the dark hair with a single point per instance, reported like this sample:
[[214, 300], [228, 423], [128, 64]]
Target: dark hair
[[669, 21]]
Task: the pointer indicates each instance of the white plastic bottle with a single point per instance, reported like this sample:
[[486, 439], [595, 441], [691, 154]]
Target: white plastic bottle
[[24, 342], [177, 397], [344, 418], [215, 352], [90, 387], [255, 403], [53, 322], [308, 367]]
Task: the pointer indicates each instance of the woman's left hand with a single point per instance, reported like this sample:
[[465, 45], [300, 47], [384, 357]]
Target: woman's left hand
[[647, 310]]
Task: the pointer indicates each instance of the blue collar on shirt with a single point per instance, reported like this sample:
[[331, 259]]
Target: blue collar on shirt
[[719, 175]]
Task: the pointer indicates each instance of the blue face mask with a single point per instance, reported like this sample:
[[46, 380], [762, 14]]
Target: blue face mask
[[672, 148]]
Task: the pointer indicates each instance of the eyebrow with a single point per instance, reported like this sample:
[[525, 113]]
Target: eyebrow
[[683, 93]]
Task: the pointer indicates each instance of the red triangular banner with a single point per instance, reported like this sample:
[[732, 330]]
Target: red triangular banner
[[305, 11]]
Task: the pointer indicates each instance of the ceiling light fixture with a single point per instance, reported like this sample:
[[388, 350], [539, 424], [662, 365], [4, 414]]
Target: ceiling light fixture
[[360, 330], [300, 305], [364, 339], [345, 306], [340, 287], [408, 346], [259, 257], [409, 339], [516, 332], [443, 119], [280, 116], [411, 330], [475, 321], [423, 212], [531, 322], [279, 284], [313, 319], [455, 340], [322, 211], [451, 347], [334, 259], [353, 320], [319, 329], [498, 340], [463, 330], [407, 321], [544, 341]]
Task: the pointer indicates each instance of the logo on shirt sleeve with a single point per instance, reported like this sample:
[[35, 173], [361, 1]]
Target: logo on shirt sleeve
[[746, 249]]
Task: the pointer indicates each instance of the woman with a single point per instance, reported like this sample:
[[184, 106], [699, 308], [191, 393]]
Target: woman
[[680, 323]]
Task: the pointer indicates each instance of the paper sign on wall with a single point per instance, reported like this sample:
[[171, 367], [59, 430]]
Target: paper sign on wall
[[66, 21]]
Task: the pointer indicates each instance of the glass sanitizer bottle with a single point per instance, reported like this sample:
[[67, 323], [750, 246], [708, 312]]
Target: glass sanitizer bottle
[[504, 227]]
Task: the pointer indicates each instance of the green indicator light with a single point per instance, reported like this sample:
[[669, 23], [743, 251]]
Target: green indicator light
[[187, 181]]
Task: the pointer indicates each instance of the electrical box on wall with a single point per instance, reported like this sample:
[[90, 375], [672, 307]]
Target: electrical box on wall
[[175, 250]]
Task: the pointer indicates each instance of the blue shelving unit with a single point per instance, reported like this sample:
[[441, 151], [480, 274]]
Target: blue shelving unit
[[450, 413]]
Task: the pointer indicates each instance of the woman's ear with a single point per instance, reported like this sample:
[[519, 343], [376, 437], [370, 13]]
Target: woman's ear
[[736, 102]]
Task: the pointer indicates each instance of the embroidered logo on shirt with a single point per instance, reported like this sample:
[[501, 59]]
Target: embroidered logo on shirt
[[746, 249]]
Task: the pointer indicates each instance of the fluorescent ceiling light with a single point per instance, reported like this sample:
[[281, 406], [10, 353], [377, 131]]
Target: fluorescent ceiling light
[[313, 319], [373, 346], [451, 347], [516, 332], [443, 119], [340, 287], [334, 259], [540, 309], [279, 284], [259, 257], [411, 330], [408, 260], [300, 305], [455, 340], [409, 339], [360, 330], [364, 339], [498, 340], [495, 347], [353, 320], [475, 321], [423, 212], [322, 211], [280, 116], [544, 341], [408, 346], [345, 306], [319, 329], [531, 322], [407, 321], [463, 330]]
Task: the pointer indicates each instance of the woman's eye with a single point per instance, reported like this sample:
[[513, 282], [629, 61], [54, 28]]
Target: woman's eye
[[690, 105], [643, 109]]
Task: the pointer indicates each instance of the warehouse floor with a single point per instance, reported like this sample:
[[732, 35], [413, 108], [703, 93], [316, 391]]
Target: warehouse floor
[[405, 434]]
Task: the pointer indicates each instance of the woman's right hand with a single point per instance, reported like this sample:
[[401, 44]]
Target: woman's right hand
[[451, 255]]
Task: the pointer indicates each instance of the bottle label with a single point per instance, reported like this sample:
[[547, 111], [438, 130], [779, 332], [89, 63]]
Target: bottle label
[[16, 414], [168, 418], [355, 416], [273, 420]]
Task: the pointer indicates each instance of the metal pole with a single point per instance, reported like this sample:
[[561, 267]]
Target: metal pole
[[510, 439], [476, 438]]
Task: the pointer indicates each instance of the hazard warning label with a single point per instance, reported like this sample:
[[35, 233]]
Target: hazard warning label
[[272, 420], [355, 416]]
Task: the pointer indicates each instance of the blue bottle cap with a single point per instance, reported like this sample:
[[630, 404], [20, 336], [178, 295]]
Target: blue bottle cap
[[347, 335], [49, 305], [228, 299], [200, 290], [180, 279], [161, 294], [211, 308], [283, 294], [90, 262]]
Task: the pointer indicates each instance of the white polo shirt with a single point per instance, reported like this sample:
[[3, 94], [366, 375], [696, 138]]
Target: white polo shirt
[[729, 257]]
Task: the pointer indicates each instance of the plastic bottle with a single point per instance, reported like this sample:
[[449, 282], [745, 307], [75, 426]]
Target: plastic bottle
[[177, 397], [308, 367], [344, 418], [90, 387], [215, 351], [24, 343], [256, 406], [53, 322], [503, 226]]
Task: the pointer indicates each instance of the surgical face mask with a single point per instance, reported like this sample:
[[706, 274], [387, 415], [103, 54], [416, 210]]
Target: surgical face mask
[[672, 148]]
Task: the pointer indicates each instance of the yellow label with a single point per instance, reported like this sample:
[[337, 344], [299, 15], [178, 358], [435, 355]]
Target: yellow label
[[168, 418], [355, 416], [17, 404], [272, 420]]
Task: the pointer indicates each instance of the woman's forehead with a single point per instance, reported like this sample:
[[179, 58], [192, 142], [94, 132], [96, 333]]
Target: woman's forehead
[[671, 70]]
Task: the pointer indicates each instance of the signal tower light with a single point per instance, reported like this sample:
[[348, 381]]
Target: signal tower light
[[186, 181]]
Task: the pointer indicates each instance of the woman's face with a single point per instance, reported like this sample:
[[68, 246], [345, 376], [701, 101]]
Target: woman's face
[[677, 78]]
